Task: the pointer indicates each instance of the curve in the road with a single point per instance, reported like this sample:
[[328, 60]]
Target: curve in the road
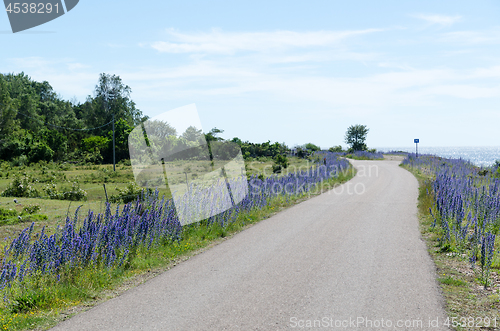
[[350, 258]]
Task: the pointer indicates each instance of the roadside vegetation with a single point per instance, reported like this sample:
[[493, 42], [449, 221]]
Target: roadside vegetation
[[365, 155], [78, 258], [459, 208], [78, 230]]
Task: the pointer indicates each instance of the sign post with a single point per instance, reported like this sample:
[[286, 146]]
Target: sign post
[[416, 141]]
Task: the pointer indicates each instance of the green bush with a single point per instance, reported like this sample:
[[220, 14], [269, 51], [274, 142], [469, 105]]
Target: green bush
[[311, 147], [93, 157], [7, 213], [19, 161], [129, 194], [12, 219], [40, 152], [21, 187], [31, 209], [125, 162], [496, 169], [336, 149], [75, 193], [280, 163]]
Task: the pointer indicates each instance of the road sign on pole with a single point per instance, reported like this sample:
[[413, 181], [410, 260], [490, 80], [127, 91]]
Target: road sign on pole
[[416, 141]]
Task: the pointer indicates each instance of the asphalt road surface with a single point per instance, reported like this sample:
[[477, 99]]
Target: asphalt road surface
[[349, 259]]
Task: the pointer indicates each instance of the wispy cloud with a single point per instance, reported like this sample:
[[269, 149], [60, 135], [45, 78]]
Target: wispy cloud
[[442, 20], [473, 37], [221, 42], [67, 76]]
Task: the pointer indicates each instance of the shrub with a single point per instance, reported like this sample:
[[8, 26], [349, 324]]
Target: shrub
[[93, 157], [496, 169], [311, 147], [280, 162], [130, 193], [75, 193], [7, 213], [31, 209], [301, 153], [336, 149], [125, 162], [19, 161], [40, 152], [21, 187]]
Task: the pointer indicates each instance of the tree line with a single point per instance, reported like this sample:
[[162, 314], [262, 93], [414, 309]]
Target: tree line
[[37, 124]]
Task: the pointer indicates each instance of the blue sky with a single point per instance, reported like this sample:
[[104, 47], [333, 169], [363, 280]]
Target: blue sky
[[288, 71]]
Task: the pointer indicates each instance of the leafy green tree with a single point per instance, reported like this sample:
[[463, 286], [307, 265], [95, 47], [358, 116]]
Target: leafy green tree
[[159, 129], [311, 147], [122, 131], [280, 163], [336, 149], [111, 97], [57, 142], [355, 136], [40, 152], [213, 135], [302, 153], [237, 141], [93, 143], [192, 134], [8, 111]]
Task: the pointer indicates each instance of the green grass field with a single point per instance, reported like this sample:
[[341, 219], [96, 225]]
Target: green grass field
[[92, 178]]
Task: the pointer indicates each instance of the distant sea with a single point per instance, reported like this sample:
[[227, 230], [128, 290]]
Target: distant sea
[[480, 156]]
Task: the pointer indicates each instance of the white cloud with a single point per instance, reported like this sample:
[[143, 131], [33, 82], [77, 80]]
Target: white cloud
[[288, 67], [75, 80], [221, 42], [439, 19], [473, 37]]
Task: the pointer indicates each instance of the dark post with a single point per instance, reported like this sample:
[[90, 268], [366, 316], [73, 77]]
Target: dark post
[[416, 141], [114, 169], [105, 192]]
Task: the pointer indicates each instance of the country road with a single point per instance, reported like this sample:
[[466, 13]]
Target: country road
[[348, 259]]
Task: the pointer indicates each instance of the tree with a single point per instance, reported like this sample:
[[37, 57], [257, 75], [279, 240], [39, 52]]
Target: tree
[[280, 163], [8, 111], [311, 147], [111, 97], [122, 130], [212, 135], [192, 134], [336, 149], [355, 136]]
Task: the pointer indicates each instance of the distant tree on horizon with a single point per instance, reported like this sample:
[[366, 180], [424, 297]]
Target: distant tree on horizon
[[355, 136], [336, 149]]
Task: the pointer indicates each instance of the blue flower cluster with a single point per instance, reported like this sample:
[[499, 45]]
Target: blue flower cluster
[[467, 204], [368, 155], [106, 240]]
